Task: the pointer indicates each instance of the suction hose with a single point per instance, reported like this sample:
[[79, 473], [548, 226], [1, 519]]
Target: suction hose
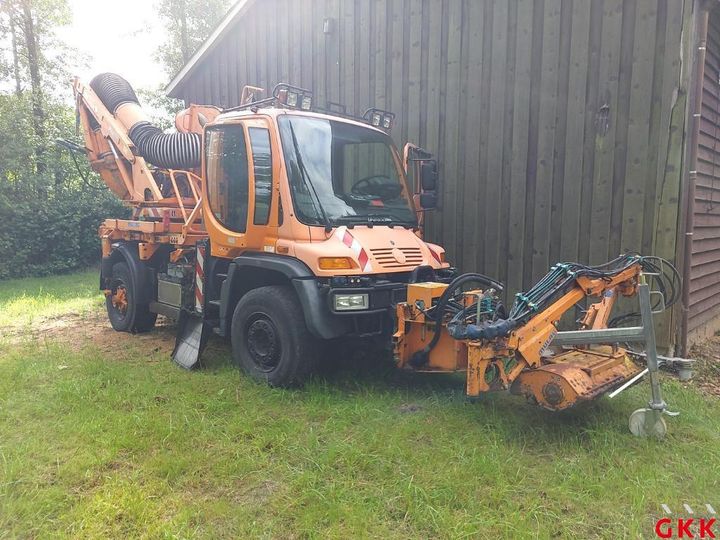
[[165, 150]]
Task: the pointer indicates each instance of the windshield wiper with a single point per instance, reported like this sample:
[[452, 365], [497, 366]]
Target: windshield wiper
[[306, 178]]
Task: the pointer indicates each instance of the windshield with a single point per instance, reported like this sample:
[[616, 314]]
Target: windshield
[[340, 173]]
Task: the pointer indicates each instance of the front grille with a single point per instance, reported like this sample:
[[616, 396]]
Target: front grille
[[385, 258]]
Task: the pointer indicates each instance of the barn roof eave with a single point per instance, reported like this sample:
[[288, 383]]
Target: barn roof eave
[[221, 29]]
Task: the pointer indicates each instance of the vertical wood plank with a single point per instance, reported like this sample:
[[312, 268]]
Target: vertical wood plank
[[546, 138], [493, 165], [332, 52], [622, 121], [434, 75], [641, 98], [509, 115], [557, 207], [414, 71], [402, 136], [605, 122], [451, 135], [243, 66], [286, 18], [347, 44], [319, 53], [396, 56], [471, 217], [362, 56], [574, 132], [670, 146], [307, 47], [521, 127], [232, 69], [592, 104], [250, 54], [480, 262], [380, 41]]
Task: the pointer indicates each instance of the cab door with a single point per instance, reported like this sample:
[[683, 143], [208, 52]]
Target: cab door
[[240, 192]]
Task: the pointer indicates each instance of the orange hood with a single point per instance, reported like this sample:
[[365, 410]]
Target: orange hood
[[374, 250]]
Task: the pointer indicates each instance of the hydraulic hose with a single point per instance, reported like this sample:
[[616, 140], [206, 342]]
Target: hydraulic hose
[[165, 150], [421, 357]]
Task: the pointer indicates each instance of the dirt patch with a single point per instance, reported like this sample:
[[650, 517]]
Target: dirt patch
[[707, 368], [90, 328], [409, 408]]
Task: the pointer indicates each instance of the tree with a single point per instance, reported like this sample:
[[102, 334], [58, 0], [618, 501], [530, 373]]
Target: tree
[[30, 25], [189, 23]]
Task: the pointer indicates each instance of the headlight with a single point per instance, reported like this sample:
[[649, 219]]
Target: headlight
[[351, 302]]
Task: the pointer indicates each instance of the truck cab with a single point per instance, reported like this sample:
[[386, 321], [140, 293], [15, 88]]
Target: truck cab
[[320, 200]]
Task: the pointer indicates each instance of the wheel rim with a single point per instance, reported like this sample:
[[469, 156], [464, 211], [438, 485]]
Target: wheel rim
[[119, 299], [263, 342]]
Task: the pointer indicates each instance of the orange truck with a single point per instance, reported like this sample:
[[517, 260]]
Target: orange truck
[[272, 223], [284, 227]]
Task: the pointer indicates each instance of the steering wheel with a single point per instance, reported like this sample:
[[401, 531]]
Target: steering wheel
[[377, 185]]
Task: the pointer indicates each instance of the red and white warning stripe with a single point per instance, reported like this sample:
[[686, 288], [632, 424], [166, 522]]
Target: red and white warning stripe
[[349, 240], [199, 279], [436, 256]]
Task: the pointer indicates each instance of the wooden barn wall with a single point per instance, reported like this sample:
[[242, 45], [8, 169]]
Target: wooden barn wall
[[551, 119], [705, 261]]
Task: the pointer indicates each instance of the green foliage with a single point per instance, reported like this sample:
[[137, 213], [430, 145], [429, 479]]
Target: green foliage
[[50, 210], [160, 108], [51, 217], [53, 235], [188, 24]]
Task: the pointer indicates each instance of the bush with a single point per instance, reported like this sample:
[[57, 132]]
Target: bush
[[44, 236]]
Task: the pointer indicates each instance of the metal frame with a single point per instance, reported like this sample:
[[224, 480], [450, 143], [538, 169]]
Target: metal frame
[[645, 333]]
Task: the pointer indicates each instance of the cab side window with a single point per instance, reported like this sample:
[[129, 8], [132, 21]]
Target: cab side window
[[262, 169], [227, 176]]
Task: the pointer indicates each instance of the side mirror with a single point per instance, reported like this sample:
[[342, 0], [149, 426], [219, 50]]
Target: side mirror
[[429, 175], [428, 201]]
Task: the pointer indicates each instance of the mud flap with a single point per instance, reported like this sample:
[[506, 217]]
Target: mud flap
[[192, 336]]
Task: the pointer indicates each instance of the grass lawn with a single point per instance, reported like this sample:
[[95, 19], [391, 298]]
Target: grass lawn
[[102, 436]]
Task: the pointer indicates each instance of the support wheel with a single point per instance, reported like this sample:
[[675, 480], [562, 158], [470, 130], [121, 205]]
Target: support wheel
[[126, 314], [270, 340], [647, 423]]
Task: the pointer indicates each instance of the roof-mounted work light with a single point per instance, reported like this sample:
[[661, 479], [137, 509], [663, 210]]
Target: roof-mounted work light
[[379, 118], [293, 96]]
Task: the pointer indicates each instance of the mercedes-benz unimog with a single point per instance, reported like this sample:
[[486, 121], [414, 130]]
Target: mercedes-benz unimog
[[285, 227]]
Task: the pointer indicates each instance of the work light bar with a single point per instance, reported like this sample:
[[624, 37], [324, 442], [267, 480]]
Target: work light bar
[[293, 96], [379, 118]]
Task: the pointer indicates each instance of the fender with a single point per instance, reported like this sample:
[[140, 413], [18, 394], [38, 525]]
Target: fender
[[140, 273], [279, 269]]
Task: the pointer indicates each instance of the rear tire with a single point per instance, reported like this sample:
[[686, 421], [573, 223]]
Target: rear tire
[[270, 340], [126, 314]]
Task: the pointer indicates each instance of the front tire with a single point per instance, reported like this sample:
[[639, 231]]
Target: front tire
[[124, 310], [270, 340]]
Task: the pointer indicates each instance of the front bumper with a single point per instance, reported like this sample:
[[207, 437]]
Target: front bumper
[[384, 293]]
